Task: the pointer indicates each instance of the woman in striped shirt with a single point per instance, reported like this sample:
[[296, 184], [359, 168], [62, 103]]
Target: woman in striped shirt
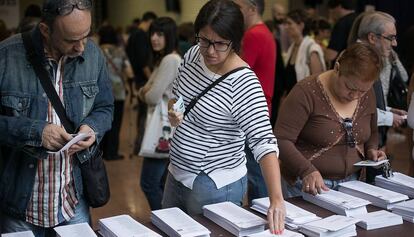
[[207, 160]]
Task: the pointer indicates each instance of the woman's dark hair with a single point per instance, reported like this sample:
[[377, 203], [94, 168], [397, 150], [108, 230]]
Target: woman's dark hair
[[300, 16], [320, 24], [168, 27], [108, 35], [225, 18]]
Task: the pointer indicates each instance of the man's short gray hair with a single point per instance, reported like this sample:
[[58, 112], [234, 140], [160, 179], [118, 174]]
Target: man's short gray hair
[[374, 23], [259, 4]]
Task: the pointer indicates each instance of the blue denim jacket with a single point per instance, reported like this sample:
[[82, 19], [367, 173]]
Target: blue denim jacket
[[88, 100]]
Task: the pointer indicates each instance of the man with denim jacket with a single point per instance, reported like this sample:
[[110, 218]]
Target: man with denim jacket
[[39, 191]]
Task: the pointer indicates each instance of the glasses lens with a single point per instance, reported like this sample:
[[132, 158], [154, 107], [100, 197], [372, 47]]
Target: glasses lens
[[67, 9], [202, 42], [219, 46]]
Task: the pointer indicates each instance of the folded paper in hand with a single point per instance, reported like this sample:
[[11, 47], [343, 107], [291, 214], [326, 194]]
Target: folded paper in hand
[[77, 137], [370, 163], [179, 105]]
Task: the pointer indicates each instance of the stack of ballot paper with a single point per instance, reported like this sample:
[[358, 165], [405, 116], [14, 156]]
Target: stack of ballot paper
[[286, 233], [19, 234], [378, 219], [406, 210], [174, 222], [82, 229], [399, 183], [377, 196], [295, 215], [340, 203], [123, 225], [333, 226], [234, 219]]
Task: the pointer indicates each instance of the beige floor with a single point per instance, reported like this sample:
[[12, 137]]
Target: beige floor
[[127, 197]]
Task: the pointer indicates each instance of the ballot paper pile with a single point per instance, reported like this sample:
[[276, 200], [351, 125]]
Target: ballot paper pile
[[399, 183], [234, 219], [286, 233], [338, 202], [19, 234], [82, 229], [378, 219], [332, 226], [378, 196], [174, 222], [406, 210], [295, 215], [123, 225]]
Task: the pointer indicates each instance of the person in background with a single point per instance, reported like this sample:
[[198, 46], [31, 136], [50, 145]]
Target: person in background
[[186, 37], [119, 70], [321, 32], [138, 50], [278, 17], [328, 122], [38, 190], [31, 18], [207, 159], [410, 122], [305, 56], [165, 63], [378, 29], [343, 14], [259, 52]]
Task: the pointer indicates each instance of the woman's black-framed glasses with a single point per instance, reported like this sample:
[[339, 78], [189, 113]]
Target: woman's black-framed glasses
[[217, 45], [68, 8], [348, 125]]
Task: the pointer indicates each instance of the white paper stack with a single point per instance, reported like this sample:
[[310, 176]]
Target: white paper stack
[[82, 229], [175, 222], [333, 226], [295, 215], [406, 210], [124, 225], [286, 233], [399, 183], [19, 234], [234, 219], [340, 203], [379, 197], [378, 219]]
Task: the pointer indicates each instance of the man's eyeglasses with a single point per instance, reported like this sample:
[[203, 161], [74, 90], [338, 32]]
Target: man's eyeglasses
[[68, 8], [348, 125], [390, 38], [217, 45]]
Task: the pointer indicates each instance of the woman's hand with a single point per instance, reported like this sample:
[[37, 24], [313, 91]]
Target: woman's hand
[[313, 183], [276, 216], [376, 155], [175, 118]]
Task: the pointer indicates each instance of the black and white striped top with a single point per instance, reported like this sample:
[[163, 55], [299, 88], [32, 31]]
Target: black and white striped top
[[211, 137]]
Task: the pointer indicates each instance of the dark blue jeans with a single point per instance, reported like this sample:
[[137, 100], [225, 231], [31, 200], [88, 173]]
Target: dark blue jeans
[[256, 184], [153, 176]]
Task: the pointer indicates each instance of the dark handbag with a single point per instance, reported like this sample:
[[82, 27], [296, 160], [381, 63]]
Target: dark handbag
[[94, 176], [397, 94]]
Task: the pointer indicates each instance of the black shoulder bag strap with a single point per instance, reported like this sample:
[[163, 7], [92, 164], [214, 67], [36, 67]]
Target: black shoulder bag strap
[[47, 85], [195, 99]]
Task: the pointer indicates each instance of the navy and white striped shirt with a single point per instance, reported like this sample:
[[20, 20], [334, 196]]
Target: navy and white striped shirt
[[211, 137]]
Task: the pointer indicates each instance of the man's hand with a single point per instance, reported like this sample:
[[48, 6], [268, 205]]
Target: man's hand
[[82, 145], [313, 183], [54, 137]]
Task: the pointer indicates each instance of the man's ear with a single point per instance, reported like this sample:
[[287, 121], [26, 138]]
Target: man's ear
[[44, 29], [372, 38], [336, 67]]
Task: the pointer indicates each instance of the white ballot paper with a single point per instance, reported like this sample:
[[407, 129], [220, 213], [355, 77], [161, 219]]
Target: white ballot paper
[[333, 223], [19, 234], [174, 222], [370, 163], [82, 229], [78, 137], [399, 183], [179, 105], [378, 219], [340, 203], [376, 195], [124, 225]]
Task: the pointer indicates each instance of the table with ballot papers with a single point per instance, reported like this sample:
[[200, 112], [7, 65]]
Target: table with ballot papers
[[357, 209]]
